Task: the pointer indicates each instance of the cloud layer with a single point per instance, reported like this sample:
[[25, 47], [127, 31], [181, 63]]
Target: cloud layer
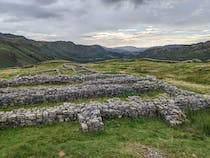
[[141, 23]]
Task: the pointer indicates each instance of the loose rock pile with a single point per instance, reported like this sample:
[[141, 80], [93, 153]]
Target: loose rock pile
[[90, 115]]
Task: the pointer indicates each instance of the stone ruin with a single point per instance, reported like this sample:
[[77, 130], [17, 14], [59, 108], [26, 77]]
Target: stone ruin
[[91, 115]]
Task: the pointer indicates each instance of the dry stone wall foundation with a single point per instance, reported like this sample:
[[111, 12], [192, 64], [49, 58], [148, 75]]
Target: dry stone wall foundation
[[91, 115]]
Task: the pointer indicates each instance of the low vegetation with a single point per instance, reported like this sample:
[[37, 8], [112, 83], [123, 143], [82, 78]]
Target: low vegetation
[[197, 52], [118, 140], [190, 76], [37, 69]]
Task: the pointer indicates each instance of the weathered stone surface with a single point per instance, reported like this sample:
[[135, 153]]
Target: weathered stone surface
[[194, 102], [38, 80], [90, 119], [170, 112], [90, 115], [99, 86]]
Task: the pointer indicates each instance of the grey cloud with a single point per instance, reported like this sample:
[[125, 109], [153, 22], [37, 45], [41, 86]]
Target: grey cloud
[[118, 1], [78, 19], [135, 2], [28, 10], [45, 2]]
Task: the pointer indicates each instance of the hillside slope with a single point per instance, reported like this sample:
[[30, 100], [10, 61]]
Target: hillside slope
[[126, 49], [179, 52], [19, 51]]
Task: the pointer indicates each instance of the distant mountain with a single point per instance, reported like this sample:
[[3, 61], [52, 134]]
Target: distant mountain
[[126, 52], [128, 49], [178, 52], [11, 36], [19, 51]]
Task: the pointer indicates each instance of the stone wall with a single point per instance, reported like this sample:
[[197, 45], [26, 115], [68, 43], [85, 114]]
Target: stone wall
[[91, 115], [194, 102], [93, 86], [61, 79], [46, 95], [85, 113]]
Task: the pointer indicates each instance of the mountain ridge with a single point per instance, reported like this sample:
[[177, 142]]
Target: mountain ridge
[[128, 49], [17, 50], [20, 51], [179, 52]]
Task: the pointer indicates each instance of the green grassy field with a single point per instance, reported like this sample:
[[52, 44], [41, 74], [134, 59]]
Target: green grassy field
[[124, 137], [37, 69], [190, 76], [121, 138]]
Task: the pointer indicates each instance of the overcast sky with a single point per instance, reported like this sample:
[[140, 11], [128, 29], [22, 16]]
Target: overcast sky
[[110, 23]]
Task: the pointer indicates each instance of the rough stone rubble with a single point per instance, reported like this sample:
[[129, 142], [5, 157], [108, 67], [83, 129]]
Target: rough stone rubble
[[91, 115]]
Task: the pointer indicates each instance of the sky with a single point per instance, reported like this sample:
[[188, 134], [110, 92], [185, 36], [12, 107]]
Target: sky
[[111, 23]]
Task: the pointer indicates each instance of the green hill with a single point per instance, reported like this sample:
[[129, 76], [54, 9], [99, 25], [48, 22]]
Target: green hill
[[179, 52], [19, 51]]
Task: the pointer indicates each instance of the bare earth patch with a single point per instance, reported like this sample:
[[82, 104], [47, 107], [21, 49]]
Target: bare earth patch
[[142, 151], [61, 153]]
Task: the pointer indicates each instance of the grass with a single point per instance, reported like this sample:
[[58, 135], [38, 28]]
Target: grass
[[68, 72], [201, 121], [123, 97], [9, 108], [48, 85], [115, 142], [198, 88], [179, 74], [197, 74], [12, 72]]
